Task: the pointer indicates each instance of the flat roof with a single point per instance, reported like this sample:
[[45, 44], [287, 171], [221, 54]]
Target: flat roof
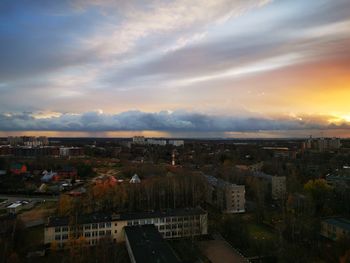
[[14, 205], [82, 219], [148, 246], [160, 214], [339, 222], [101, 217]]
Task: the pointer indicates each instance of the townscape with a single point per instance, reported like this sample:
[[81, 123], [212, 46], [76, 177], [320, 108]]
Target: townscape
[[174, 131], [174, 200]]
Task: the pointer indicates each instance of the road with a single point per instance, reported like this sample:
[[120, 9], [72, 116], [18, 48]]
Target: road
[[13, 198]]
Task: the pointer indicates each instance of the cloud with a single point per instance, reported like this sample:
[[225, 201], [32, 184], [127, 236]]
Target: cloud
[[177, 121]]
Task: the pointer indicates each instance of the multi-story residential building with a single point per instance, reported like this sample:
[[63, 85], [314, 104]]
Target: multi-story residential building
[[138, 140], [71, 151], [30, 141], [177, 143], [175, 223], [278, 187], [156, 142], [335, 228], [228, 197], [323, 144], [276, 183]]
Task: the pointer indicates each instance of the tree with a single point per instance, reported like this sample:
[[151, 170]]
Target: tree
[[319, 191]]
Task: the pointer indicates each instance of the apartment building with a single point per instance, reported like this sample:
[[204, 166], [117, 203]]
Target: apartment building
[[175, 223], [278, 187], [335, 228], [228, 197], [276, 183]]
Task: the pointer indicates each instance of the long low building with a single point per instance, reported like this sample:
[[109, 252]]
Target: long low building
[[335, 228], [146, 245], [176, 223]]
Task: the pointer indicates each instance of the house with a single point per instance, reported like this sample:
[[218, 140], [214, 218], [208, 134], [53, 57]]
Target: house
[[17, 206], [67, 172], [48, 176], [18, 169], [135, 179]]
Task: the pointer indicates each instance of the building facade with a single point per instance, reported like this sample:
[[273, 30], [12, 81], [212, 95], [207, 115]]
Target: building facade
[[278, 187], [228, 197], [335, 228], [175, 223], [276, 183]]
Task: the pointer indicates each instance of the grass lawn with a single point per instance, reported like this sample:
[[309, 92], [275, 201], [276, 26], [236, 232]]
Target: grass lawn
[[32, 238], [186, 250], [260, 232]]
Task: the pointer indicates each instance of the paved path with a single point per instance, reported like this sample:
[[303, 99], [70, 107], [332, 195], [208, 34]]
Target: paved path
[[219, 251]]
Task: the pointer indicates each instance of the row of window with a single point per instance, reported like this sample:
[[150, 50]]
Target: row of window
[[86, 227], [87, 234], [162, 220], [195, 231], [98, 233]]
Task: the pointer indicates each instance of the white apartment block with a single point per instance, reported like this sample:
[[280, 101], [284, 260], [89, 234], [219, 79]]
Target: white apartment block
[[177, 143], [228, 197]]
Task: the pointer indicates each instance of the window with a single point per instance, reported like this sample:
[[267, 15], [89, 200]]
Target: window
[[87, 227], [109, 224], [108, 232], [129, 223], [57, 229], [64, 229], [87, 234], [57, 237], [102, 233], [94, 226], [102, 225], [115, 231], [64, 236], [115, 224]]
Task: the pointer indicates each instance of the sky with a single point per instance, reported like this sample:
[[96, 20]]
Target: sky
[[175, 68]]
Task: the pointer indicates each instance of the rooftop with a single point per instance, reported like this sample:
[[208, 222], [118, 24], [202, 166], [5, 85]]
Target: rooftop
[[148, 246], [108, 217], [339, 222], [219, 182]]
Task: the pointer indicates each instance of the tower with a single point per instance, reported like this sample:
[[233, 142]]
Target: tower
[[173, 158]]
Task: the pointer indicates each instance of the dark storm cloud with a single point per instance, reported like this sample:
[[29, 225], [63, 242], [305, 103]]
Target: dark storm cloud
[[161, 121]]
